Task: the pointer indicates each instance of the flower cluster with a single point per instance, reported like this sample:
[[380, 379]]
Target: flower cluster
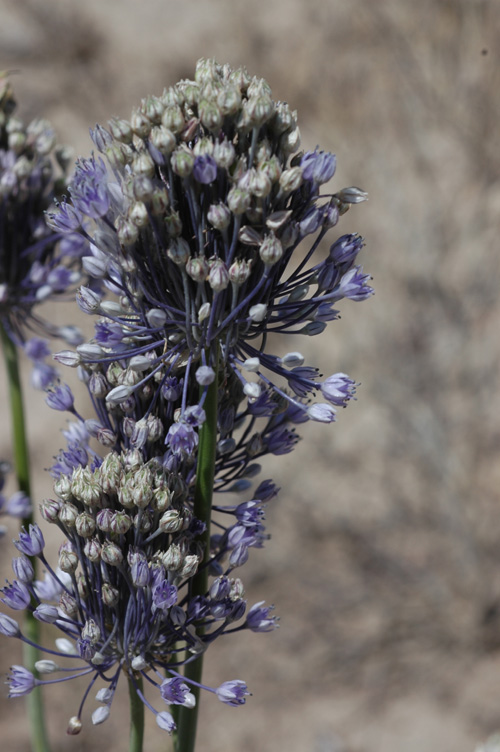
[[194, 220], [36, 263], [196, 227], [18, 505]]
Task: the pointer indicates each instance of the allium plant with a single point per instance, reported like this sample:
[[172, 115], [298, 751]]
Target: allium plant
[[37, 264], [204, 226]]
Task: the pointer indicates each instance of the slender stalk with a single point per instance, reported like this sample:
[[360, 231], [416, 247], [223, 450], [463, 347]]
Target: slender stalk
[[136, 716], [39, 740], [184, 740]]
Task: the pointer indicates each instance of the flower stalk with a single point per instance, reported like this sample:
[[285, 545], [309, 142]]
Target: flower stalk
[[185, 738], [39, 740], [136, 716]]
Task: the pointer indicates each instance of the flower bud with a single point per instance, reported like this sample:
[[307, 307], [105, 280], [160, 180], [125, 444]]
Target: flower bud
[[239, 271], [219, 216], [91, 631], [182, 161], [68, 513], [291, 179], [49, 509], [74, 726], [224, 154], [179, 251], [238, 200], [110, 595], [92, 550], [173, 119], [121, 130], [68, 604], [68, 561], [111, 554], [210, 114], [218, 277], [170, 522], [271, 250]]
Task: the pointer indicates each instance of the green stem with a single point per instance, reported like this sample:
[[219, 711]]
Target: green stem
[[136, 716], [39, 740], [184, 740]]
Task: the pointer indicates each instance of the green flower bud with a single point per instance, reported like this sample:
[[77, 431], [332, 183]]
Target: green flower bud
[[210, 114], [92, 550], [111, 554], [170, 522], [179, 252], [49, 509], [197, 268], [153, 108], [91, 631], [68, 561], [121, 130], [239, 271], [218, 278], [224, 154], [68, 604], [271, 250], [140, 124], [68, 514], [85, 525], [143, 165], [291, 179], [62, 487], [173, 119], [138, 214], [110, 595], [182, 161], [219, 216], [238, 200], [163, 139]]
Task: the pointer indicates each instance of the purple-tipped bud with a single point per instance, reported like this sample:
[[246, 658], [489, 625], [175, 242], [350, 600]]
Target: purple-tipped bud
[[232, 692], [23, 569], [9, 627], [31, 543], [46, 613]]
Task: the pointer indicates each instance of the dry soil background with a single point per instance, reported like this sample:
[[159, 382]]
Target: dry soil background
[[385, 557]]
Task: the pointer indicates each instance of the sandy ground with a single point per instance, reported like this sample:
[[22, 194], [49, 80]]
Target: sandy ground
[[384, 563]]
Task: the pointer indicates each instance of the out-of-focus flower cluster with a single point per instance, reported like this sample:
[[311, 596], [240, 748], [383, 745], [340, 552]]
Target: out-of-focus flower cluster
[[36, 263], [197, 226], [18, 505]]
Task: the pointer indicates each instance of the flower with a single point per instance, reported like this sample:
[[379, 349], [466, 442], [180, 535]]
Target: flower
[[21, 681], [32, 264], [194, 224], [121, 594]]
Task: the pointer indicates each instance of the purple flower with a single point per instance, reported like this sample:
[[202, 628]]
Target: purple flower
[[318, 166], [89, 190], [259, 619], [176, 692], [233, 692], [165, 721], [60, 398], [182, 439], [205, 169], [20, 681], [19, 505], [338, 389], [9, 627], [30, 543], [164, 596], [16, 596]]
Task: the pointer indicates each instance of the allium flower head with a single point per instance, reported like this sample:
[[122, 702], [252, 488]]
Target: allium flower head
[[36, 262], [204, 223], [120, 595]]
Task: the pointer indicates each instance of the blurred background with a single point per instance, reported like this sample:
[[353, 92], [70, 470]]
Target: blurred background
[[384, 562]]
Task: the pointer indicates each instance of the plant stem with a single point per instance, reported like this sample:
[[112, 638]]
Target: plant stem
[[184, 740], [136, 716], [39, 740]]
